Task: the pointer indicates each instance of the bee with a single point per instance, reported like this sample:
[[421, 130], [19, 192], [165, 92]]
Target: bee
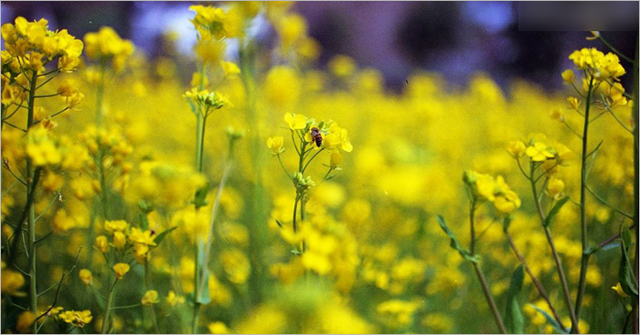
[[317, 136]]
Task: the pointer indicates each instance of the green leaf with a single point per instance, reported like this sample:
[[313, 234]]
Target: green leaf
[[514, 320], [200, 200], [550, 320], [454, 242], [554, 211], [625, 274], [164, 234]]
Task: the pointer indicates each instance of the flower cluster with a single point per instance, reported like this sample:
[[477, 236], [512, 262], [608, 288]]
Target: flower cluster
[[106, 45], [31, 45], [495, 190], [76, 318], [598, 64]]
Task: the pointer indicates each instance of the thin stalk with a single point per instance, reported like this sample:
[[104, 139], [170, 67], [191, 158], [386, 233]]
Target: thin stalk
[[196, 293], [33, 291], [295, 212], [584, 263], [556, 258], [147, 284], [100, 94], [107, 311], [481, 278], [536, 282], [472, 220], [489, 297], [214, 212], [200, 127]]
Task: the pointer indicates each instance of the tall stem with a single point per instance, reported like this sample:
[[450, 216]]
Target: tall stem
[[481, 278], [33, 291], [556, 258], [584, 263], [100, 94], [472, 220], [107, 310], [147, 285], [200, 127], [489, 297]]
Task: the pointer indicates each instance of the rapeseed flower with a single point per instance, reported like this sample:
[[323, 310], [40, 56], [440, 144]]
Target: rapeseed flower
[[121, 269]]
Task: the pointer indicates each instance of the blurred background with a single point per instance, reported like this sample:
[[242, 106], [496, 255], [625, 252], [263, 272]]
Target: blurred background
[[452, 38]]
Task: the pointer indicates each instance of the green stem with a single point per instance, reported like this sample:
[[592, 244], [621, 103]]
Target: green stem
[[481, 278], [616, 50], [100, 94], [147, 284], [472, 221], [310, 159], [33, 291], [295, 212], [556, 258], [489, 297], [536, 282], [584, 263], [196, 292], [200, 127], [107, 311]]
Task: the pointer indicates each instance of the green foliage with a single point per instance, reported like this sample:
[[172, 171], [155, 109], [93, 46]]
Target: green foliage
[[514, 320], [455, 244]]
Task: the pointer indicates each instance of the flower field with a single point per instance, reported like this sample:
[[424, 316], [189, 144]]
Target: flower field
[[253, 191]]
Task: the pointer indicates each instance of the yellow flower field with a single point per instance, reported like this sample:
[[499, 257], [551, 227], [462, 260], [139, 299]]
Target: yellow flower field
[[258, 193]]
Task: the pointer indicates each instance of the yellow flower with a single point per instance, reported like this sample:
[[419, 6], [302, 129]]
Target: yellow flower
[[568, 76], [516, 149], [291, 29], [86, 277], [121, 269], [485, 186], [76, 318], [507, 202], [336, 159], [116, 225], [230, 69], [12, 281], [144, 237], [218, 328], [539, 152], [619, 290], [574, 102], [150, 298], [41, 148], [337, 138], [102, 244], [342, 66], [276, 144], [555, 187], [25, 321], [173, 299], [295, 121], [119, 240], [209, 21]]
